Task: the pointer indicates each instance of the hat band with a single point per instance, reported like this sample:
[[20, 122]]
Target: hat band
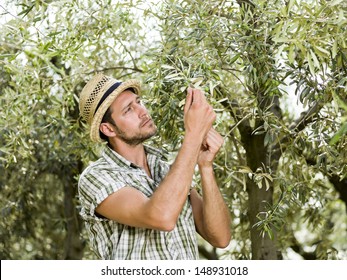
[[107, 93]]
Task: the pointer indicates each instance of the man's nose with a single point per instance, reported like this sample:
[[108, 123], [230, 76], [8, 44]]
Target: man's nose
[[142, 111]]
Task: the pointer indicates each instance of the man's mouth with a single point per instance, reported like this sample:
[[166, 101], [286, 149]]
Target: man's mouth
[[146, 122]]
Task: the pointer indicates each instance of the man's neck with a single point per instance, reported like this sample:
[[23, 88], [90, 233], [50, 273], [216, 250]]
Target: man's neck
[[133, 153]]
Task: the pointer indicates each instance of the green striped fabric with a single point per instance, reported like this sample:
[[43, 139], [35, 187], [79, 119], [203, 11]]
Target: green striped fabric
[[112, 240]]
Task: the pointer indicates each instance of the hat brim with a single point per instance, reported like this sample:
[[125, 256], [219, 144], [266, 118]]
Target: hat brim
[[95, 125]]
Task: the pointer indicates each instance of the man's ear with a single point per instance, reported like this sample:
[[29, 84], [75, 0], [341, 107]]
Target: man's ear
[[107, 129]]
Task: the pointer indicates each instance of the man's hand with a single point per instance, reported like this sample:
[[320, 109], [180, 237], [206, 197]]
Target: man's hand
[[198, 115], [209, 148]]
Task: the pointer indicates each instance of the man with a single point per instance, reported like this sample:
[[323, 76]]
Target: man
[[135, 206]]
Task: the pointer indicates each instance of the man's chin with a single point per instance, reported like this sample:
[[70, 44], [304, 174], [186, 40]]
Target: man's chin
[[153, 131], [134, 141]]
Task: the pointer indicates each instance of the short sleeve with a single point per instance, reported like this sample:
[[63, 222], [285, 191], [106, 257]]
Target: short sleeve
[[94, 187]]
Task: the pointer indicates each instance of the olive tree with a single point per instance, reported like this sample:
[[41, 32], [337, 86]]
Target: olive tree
[[48, 50], [282, 172]]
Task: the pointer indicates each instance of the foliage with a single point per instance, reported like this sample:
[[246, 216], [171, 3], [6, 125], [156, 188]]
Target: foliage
[[283, 175], [47, 51], [244, 58]]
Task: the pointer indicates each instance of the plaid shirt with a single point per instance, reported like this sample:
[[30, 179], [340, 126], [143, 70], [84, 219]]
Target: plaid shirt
[[112, 240]]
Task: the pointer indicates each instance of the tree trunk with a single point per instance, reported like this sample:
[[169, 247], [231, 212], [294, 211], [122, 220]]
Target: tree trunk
[[263, 247], [74, 245]]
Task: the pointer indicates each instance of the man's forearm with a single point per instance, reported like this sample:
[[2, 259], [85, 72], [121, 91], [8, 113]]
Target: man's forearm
[[216, 217], [169, 198], [172, 192]]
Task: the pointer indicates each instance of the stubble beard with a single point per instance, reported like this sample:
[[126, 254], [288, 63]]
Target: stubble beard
[[136, 139]]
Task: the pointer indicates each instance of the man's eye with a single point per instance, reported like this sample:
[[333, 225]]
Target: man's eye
[[127, 110]]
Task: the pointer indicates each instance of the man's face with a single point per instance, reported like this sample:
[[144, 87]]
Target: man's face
[[133, 123]]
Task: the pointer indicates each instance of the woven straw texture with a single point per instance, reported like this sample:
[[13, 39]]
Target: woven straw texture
[[91, 95]]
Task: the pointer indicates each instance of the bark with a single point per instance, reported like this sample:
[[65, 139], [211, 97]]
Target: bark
[[74, 245], [340, 186], [263, 247], [257, 155]]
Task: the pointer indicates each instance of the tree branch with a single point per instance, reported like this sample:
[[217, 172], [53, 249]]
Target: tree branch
[[115, 68], [302, 122], [242, 122], [339, 185], [307, 117], [297, 248]]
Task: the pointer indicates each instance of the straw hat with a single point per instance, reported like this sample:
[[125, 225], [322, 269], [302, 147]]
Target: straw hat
[[97, 95]]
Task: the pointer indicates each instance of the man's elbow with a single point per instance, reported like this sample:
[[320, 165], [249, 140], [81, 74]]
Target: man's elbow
[[167, 227], [221, 242], [164, 222]]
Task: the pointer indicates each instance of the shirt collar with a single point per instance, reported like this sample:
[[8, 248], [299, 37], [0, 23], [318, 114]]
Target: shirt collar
[[114, 158], [154, 151]]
